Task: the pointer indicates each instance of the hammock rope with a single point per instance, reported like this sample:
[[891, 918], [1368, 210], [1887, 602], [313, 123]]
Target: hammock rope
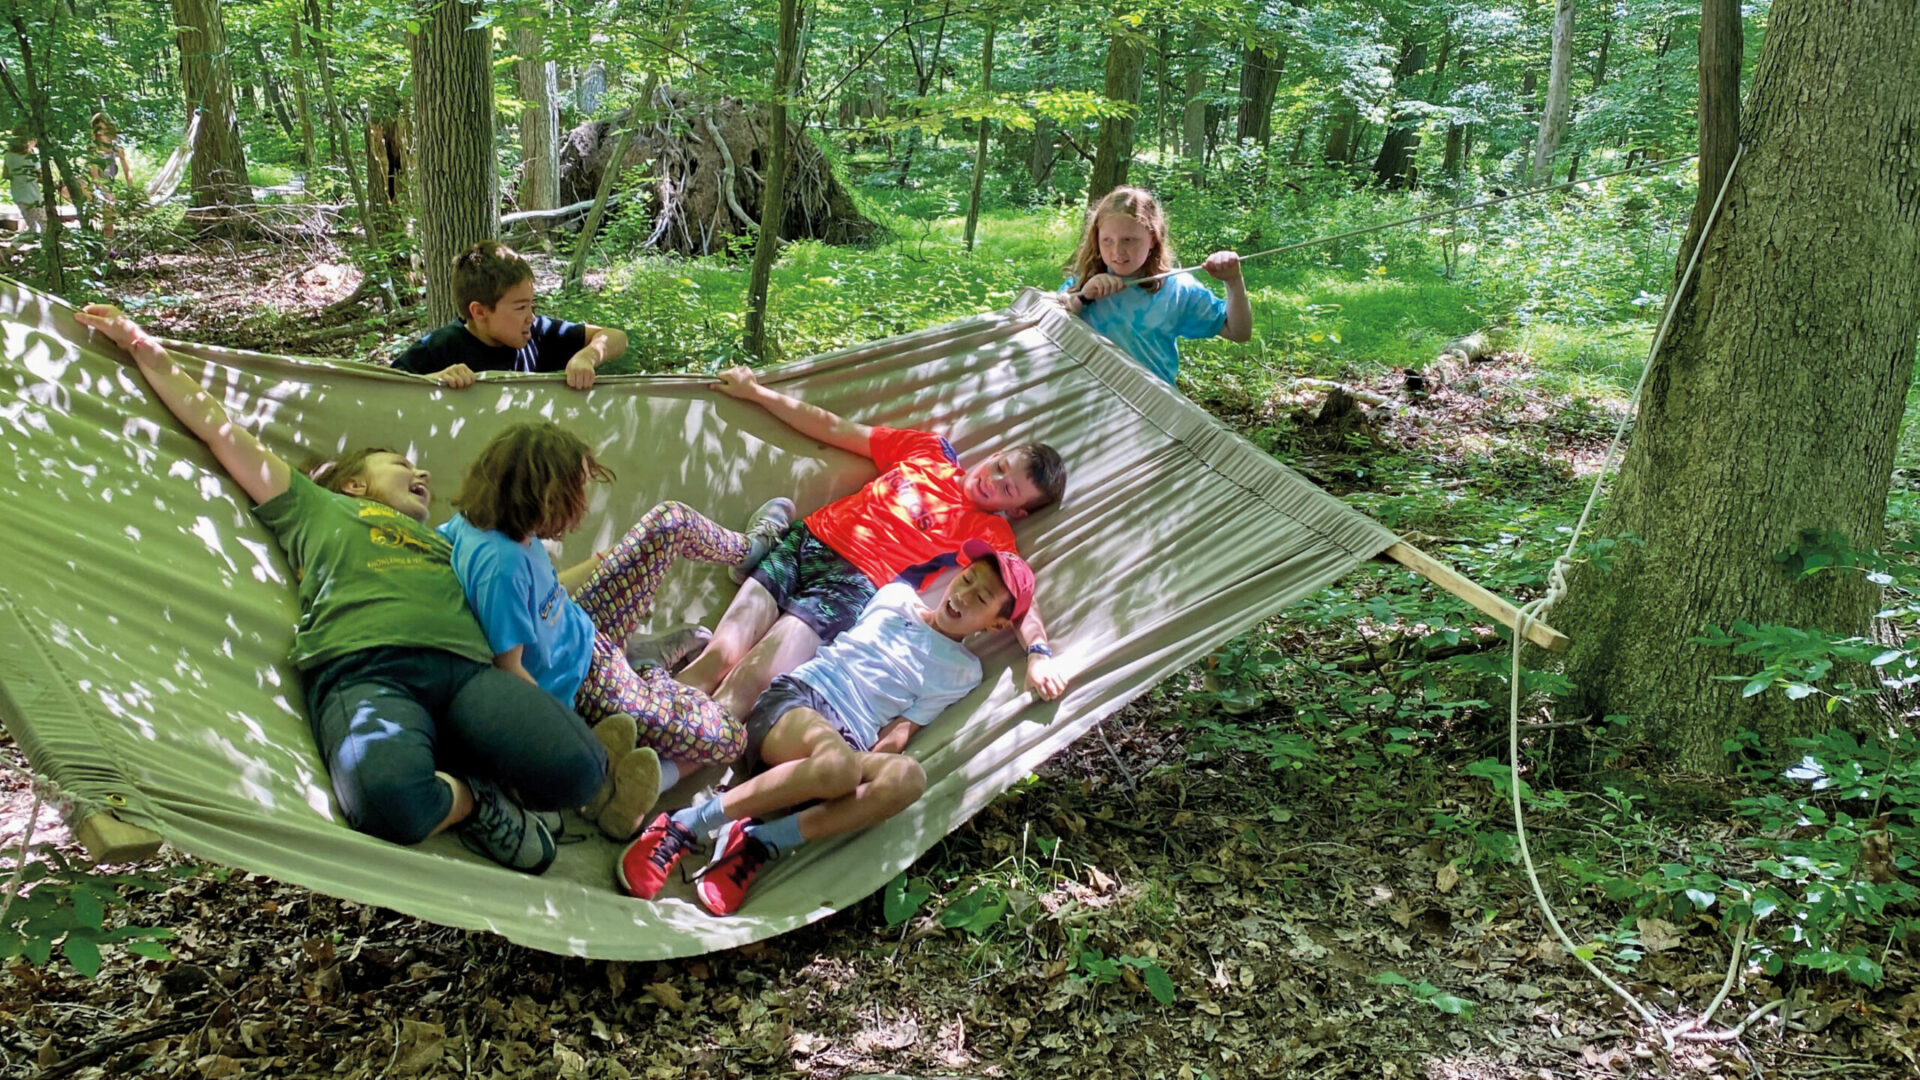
[[1537, 610]]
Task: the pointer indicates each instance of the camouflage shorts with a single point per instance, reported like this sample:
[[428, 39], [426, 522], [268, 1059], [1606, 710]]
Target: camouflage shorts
[[813, 583]]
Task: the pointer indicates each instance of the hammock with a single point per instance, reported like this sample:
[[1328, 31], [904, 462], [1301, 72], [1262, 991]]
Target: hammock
[[167, 179], [145, 616]]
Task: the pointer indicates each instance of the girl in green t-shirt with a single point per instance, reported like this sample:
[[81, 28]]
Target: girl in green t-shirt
[[419, 730]]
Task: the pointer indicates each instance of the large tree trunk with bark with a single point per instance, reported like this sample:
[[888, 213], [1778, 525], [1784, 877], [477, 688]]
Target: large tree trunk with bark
[[219, 172], [539, 117], [1393, 165], [453, 113], [1553, 122], [706, 192], [1126, 64], [1774, 407], [1193, 120], [1719, 109], [1260, 69]]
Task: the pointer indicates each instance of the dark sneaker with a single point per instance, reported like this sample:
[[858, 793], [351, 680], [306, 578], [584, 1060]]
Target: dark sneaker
[[770, 523], [617, 735], [724, 883], [635, 780], [504, 831], [672, 649], [644, 866]]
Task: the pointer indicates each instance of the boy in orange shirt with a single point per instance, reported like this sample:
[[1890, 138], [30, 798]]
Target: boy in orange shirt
[[908, 524]]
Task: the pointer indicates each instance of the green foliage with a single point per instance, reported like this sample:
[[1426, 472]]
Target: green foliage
[[1088, 963], [63, 906], [1423, 991]]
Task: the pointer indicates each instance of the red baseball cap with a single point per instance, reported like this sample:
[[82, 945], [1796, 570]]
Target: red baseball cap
[[1015, 574]]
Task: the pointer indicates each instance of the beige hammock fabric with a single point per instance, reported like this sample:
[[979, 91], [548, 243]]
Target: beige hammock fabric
[[145, 615]]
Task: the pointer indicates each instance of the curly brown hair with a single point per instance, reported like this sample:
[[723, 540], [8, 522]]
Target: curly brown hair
[[333, 473], [530, 480]]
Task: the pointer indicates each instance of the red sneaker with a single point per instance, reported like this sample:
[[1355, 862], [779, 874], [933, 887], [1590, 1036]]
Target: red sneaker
[[723, 884], [644, 866]]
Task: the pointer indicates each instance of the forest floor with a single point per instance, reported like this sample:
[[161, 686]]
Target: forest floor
[[1273, 896]]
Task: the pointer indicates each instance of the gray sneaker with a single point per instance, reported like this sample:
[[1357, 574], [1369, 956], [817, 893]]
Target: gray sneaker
[[671, 649], [770, 523], [504, 831]]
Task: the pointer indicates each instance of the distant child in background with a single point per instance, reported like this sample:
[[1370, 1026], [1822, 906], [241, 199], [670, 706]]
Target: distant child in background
[[567, 631], [826, 745], [23, 182], [1125, 240], [106, 163], [498, 331]]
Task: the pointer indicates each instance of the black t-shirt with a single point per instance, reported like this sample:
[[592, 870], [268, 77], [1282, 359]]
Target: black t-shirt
[[553, 343]]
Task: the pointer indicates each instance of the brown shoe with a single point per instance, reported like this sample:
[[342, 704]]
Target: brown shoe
[[635, 780]]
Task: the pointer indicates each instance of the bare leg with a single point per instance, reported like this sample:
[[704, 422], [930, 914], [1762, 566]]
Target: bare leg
[[787, 645], [809, 761], [889, 783], [751, 614]]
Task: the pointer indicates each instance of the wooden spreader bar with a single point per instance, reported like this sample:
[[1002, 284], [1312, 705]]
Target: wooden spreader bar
[[1466, 589]]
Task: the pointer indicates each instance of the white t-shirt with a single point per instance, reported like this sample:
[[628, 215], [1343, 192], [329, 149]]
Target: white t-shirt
[[890, 664]]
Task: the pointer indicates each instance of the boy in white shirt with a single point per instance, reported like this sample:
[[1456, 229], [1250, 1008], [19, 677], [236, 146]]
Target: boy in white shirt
[[832, 733]]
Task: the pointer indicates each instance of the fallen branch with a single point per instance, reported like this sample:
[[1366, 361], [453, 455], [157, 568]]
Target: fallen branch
[[1367, 396], [536, 215], [114, 1045]]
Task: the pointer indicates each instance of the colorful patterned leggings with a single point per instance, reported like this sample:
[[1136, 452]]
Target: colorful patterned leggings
[[679, 722]]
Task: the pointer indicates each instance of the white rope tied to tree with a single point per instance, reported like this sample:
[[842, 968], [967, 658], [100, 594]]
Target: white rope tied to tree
[[1557, 589]]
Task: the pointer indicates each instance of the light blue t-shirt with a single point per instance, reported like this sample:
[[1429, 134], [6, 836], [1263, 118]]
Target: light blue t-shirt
[[517, 597], [1148, 325], [890, 664]]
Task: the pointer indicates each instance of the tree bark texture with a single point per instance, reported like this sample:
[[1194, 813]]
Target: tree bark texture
[[1193, 121], [219, 171], [1126, 64], [453, 110], [772, 203], [1393, 165], [1553, 122], [980, 148], [539, 117], [336, 121], [1720, 55], [1260, 70], [301, 99], [1774, 406]]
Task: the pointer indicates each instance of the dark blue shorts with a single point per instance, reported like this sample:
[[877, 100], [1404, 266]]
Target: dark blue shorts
[[782, 697]]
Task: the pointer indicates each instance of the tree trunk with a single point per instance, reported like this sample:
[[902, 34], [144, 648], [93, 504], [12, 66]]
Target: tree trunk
[[1193, 122], [275, 99], [1451, 154], [1774, 407], [1162, 46], [1553, 121], [1126, 63], [35, 100], [1720, 49], [336, 120], [539, 117], [219, 171], [1338, 149], [1393, 166], [773, 204], [980, 149], [1260, 68], [1600, 61], [301, 102], [453, 110]]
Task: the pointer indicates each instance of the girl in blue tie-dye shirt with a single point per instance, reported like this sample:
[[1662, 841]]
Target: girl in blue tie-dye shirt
[[1125, 240]]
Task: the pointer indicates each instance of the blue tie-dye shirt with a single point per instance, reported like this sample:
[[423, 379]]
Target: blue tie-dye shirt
[[1148, 325]]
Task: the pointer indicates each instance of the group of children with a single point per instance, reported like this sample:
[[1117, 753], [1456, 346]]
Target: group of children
[[455, 679], [106, 162]]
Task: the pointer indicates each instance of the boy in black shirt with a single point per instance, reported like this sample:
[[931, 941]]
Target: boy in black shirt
[[494, 287]]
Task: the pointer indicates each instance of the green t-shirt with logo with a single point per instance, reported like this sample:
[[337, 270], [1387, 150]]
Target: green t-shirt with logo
[[369, 576]]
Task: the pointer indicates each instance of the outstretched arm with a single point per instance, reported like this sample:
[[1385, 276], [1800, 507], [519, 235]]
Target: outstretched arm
[[1044, 676], [810, 420], [260, 473]]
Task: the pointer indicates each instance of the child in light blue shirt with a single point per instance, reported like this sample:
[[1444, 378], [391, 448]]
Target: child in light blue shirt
[[1126, 241]]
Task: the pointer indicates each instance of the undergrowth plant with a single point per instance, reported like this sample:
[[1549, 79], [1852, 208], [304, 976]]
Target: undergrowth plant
[[64, 906]]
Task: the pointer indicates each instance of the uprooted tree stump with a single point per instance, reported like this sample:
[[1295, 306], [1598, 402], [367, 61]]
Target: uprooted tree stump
[[704, 162]]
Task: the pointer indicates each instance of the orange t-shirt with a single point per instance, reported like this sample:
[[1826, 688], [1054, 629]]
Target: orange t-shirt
[[910, 522]]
